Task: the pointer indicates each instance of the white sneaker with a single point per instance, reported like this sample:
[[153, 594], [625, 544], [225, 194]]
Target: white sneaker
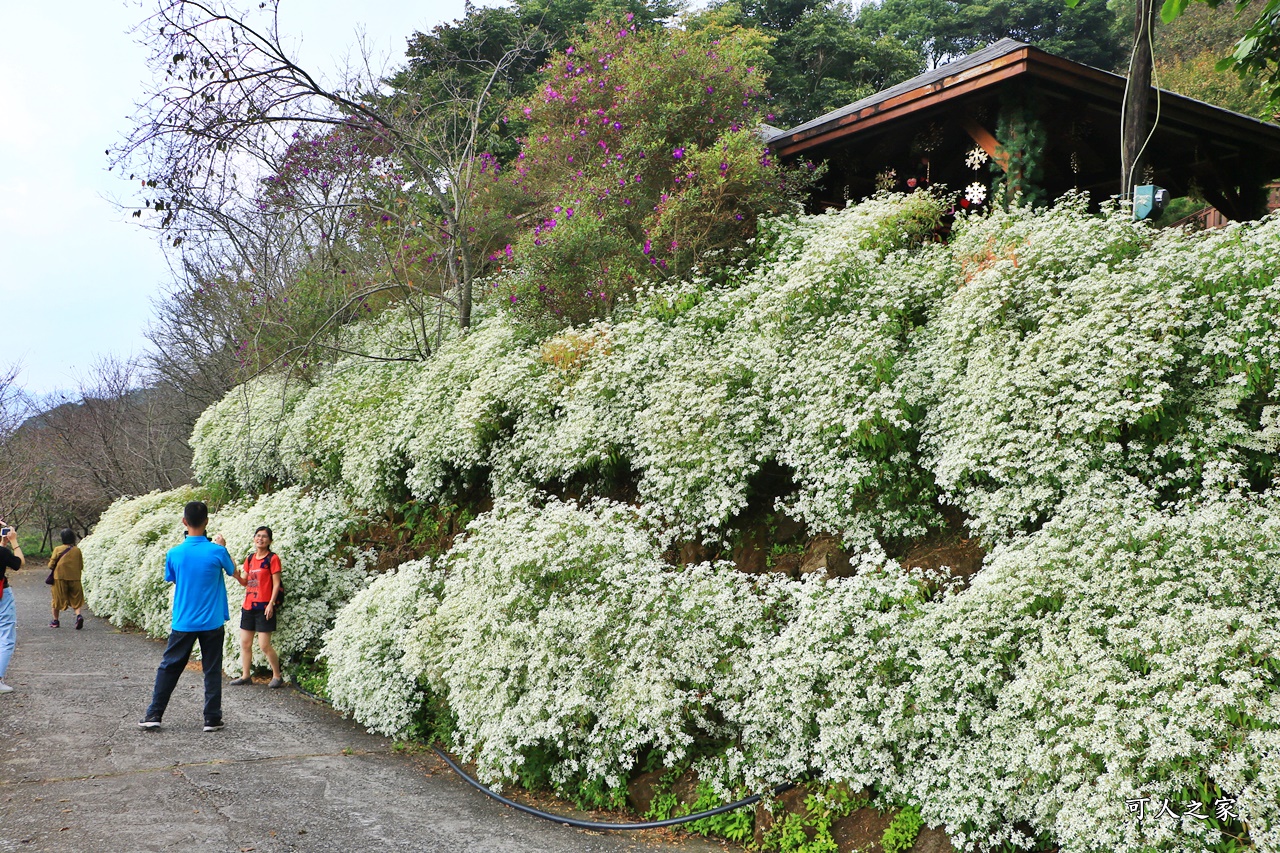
[[4, 688]]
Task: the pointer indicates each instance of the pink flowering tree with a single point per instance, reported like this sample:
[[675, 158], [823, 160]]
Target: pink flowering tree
[[643, 161]]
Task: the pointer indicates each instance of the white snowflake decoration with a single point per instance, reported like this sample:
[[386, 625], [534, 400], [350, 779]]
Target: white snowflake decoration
[[975, 158], [976, 193]]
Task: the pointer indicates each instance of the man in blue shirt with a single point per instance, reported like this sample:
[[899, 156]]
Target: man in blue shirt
[[195, 568]]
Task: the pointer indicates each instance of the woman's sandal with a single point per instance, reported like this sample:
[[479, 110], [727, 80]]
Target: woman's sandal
[[79, 621], [236, 682], [53, 623]]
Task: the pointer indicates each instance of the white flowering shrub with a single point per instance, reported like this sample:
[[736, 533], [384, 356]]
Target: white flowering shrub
[[341, 434], [124, 559], [1076, 344], [565, 646], [698, 387], [841, 307], [321, 569], [370, 676], [1096, 398], [1119, 653], [236, 441], [555, 643], [459, 406]]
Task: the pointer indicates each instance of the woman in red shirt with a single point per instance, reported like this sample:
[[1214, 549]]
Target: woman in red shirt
[[260, 576]]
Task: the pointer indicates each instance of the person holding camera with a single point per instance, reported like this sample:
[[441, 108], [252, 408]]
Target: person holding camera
[[11, 557], [261, 579], [67, 564], [196, 569]]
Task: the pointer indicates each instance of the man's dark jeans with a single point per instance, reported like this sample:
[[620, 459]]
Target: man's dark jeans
[[176, 655]]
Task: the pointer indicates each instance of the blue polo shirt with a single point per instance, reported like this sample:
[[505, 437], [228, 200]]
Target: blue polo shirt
[[195, 568]]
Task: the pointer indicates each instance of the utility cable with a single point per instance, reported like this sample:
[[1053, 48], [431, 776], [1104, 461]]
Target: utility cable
[[1149, 32], [1155, 84]]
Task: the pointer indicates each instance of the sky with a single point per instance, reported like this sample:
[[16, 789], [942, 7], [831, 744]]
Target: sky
[[77, 275]]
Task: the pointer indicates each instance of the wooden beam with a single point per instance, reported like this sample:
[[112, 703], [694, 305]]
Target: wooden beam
[[987, 141], [878, 114]]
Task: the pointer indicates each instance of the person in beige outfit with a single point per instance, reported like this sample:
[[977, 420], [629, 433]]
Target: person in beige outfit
[[67, 563]]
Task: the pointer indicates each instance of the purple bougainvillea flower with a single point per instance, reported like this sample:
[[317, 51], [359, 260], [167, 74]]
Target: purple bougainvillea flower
[[648, 247], [678, 153]]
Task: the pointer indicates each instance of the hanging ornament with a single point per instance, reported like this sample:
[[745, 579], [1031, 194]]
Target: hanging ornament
[[929, 139], [975, 193], [976, 158]]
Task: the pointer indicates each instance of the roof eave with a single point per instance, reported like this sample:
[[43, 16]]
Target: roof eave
[[1022, 59]]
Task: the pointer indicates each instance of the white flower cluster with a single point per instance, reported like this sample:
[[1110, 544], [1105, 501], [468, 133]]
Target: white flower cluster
[[996, 372], [237, 441], [693, 393], [558, 630], [1097, 398], [1117, 653], [1067, 351], [124, 562], [124, 559], [369, 673]]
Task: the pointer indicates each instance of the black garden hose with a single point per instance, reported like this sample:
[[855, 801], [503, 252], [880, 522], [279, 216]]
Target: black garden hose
[[598, 825]]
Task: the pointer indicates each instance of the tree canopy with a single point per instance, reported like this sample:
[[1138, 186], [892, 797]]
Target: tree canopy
[[1256, 53], [821, 56], [944, 29]]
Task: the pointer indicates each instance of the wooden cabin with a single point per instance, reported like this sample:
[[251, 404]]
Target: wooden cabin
[[1061, 121]]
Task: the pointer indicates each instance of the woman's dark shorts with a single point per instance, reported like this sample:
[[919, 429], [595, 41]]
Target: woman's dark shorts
[[256, 620]]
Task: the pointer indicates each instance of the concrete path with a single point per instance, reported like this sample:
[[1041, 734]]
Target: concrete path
[[286, 774]]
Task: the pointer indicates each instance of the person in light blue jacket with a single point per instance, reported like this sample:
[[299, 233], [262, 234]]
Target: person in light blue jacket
[[200, 612]]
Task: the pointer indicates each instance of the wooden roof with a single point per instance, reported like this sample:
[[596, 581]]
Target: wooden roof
[[1218, 150]]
